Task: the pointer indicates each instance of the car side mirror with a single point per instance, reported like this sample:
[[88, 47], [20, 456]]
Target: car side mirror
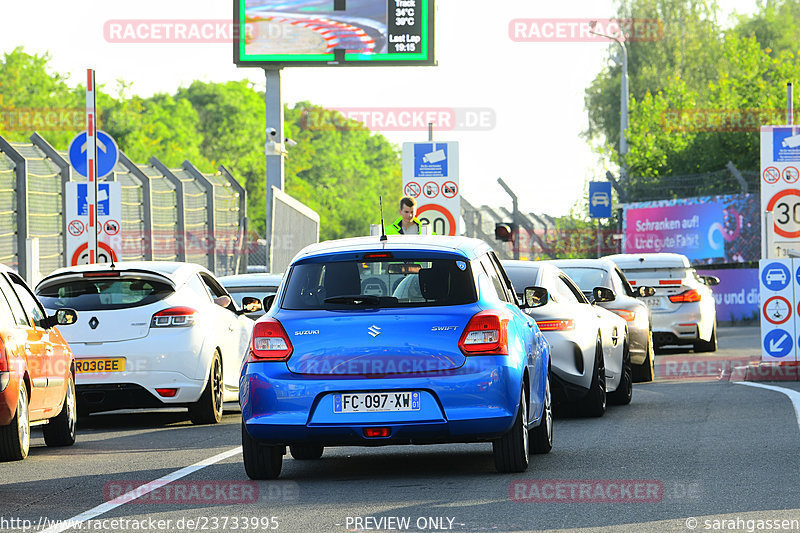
[[645, 291], [250, 305], [534, 297], [710, 280], [603, 294], [268, 301], [63, 317]]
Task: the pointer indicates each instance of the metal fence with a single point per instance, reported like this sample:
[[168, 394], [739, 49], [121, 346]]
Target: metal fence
[[294, 226], [167, 214], [542, 237]]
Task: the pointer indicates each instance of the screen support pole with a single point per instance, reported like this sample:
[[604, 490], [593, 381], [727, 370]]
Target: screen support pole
[[273, 149]]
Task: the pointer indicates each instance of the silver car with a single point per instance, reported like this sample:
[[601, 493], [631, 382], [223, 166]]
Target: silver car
[[683, 309], [589, 345], [591, 273]]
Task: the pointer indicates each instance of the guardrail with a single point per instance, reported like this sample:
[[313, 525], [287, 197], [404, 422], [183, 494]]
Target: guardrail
[[168, 214]]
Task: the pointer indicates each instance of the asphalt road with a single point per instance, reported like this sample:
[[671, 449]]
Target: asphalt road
[[685, 448]]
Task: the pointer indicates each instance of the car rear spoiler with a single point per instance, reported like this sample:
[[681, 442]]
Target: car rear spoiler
[[122, 273]]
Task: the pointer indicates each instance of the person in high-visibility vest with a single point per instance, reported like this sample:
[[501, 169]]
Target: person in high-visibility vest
[[407, 223]]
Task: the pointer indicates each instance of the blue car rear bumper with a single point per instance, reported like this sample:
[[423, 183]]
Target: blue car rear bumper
[[476, 402]]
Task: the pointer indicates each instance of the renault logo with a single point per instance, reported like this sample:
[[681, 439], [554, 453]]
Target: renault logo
[[374, 330], [93, 322]]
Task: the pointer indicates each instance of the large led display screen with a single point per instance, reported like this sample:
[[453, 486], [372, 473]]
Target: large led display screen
[[280, 33], [712, 229]]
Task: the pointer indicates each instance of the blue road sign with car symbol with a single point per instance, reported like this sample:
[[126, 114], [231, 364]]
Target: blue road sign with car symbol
[[776, 276], [600, 199]]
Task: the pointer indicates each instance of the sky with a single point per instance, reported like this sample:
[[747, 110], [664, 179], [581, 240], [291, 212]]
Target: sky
[[534, 90]]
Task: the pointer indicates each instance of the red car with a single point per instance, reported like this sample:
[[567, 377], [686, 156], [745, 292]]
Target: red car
[[37, 371]]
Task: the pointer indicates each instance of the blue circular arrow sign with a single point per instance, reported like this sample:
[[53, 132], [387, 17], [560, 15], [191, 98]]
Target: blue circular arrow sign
[[107, 154], [778, 343]]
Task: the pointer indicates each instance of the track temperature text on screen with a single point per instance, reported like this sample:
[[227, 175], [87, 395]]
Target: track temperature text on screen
[[282, 33]]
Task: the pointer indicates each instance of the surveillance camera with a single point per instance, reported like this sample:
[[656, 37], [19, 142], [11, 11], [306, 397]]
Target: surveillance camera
[[290, 142], [272, 131]]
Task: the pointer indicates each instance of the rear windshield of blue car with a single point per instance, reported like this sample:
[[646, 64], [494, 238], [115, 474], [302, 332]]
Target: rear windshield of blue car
[[378, 284]]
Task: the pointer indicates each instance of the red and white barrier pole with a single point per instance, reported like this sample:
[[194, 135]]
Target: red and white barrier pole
[[91, 164]]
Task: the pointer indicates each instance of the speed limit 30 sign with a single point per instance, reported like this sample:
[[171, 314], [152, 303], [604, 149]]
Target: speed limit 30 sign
[[780, 190], [785, 207]]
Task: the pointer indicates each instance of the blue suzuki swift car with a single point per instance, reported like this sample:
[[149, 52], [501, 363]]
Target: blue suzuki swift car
[[410, 340]]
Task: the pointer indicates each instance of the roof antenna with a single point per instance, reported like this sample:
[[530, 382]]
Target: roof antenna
[[383, 230]]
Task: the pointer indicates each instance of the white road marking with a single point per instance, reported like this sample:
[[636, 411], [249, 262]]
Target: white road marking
[[141, 491], [793, 395]]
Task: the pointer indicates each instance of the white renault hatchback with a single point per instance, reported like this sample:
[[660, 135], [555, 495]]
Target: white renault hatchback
[[151, 334]]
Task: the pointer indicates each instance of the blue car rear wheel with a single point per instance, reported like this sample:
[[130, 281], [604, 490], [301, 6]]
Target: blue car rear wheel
[[261, 461], [511, 450]]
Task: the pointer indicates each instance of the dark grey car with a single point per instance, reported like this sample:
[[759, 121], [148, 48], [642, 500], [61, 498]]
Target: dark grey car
[[591, 273]]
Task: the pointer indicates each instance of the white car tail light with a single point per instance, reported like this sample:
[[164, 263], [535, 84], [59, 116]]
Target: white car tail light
[[556, 325], [629, 316], [685, 297], [174, 317]]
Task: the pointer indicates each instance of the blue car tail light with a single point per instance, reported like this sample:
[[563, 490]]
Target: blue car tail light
[[270, 341], [486, 334]]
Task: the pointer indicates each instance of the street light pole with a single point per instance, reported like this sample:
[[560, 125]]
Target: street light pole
[[623, 108]]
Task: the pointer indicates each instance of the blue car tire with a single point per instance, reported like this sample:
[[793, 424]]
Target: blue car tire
[[260, 461], [541, 437], [511, 450]]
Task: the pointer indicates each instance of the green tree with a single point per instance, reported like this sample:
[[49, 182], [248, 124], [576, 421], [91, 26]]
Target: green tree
[[34, 98], [338, 168], [775, 26], [231, 120], [688, 48], [699, 96]]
